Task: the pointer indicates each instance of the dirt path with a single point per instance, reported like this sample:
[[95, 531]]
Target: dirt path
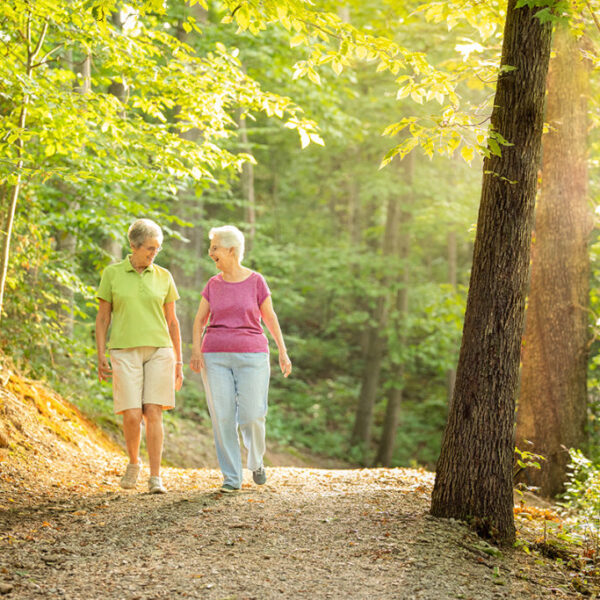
[[68, 532], [306, 534]]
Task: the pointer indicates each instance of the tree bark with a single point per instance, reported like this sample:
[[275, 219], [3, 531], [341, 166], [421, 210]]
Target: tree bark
[[474, 472], [552, 408], [452, 280]]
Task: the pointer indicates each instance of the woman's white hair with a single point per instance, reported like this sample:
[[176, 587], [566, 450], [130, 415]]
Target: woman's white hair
[[143, 229], [229, 237]]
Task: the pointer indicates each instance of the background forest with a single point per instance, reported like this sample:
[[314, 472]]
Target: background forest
[[348, 151]]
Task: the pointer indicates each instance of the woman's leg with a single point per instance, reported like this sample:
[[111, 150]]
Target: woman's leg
[[252, 383], [159, 394], [154, 436], [132, 432], [220, 396], [127, 396]]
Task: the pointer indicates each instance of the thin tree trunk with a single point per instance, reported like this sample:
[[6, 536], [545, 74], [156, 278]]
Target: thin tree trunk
[[247, 181], [32, 54], [401, 249], [361, 434], [192, 209], [66, 240], [474, 473], [354, 212], [552, 408], [387, 443], [114, 246]]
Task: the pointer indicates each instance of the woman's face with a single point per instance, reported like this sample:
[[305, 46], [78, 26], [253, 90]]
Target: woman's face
[[146, 253], [222, 256]]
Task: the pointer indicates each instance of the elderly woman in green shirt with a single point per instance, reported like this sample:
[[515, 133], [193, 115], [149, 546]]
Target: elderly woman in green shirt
[[137, 299]]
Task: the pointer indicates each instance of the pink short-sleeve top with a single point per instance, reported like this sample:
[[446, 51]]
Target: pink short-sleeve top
[[234, 322]]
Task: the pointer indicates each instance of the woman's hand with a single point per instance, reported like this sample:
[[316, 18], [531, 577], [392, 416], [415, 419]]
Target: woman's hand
[[104, 368], [178, 376], [285, 363], [197, 362]]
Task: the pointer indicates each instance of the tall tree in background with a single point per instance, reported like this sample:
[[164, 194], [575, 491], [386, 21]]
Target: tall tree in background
[[474, 472], [376, 339], [387, 442], [552, 406]]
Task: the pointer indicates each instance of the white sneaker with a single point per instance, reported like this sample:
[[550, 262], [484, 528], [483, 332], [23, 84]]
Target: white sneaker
[[132, 472], [155, 485]]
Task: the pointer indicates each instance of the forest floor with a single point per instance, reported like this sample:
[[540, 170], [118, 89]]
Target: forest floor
[[67, 531]]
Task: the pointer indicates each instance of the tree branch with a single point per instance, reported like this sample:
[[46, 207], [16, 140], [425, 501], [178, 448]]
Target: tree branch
[[594, 17], [40, 41]]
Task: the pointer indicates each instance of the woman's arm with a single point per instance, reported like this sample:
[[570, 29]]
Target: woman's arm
[[272, 322], [174, 332], [197, 361], [102, 322]]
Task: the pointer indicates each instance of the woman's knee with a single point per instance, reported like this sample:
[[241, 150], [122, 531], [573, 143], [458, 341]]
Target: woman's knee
[[153, 413], [132, 417]]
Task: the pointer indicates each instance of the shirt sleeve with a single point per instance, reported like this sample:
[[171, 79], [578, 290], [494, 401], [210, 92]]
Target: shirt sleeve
[[262, 290], [105, 288], [206, 291], [172, 293]]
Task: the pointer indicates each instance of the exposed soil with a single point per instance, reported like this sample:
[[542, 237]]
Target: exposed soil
[[68, 531]]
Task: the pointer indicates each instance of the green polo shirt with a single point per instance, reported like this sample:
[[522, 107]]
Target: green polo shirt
[[137, 304]]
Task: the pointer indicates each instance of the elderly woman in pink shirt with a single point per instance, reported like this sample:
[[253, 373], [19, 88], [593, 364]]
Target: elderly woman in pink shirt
[[232, 354]]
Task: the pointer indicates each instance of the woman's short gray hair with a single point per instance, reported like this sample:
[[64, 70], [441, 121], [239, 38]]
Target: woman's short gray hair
[[229, 237], [143, 229]]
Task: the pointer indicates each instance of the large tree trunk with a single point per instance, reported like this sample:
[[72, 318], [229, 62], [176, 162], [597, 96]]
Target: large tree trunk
[[552, 407], [474, 473]]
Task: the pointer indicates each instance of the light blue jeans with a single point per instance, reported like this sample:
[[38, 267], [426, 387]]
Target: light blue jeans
[[237, 385]]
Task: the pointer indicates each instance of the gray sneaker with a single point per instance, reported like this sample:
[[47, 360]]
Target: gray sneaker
[[155, 485], [129, 480], [259, 476], [226, 488]]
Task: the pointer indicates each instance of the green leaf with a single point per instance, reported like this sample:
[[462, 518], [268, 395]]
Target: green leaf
[[494, 147], [304, 138], [298, 39], [361, 52], [314, 76]]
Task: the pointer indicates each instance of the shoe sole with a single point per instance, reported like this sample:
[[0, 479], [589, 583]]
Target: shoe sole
[[226, 491], [261, 480]]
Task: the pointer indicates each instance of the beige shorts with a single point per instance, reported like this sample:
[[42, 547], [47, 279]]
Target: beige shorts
[[143, 375]]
